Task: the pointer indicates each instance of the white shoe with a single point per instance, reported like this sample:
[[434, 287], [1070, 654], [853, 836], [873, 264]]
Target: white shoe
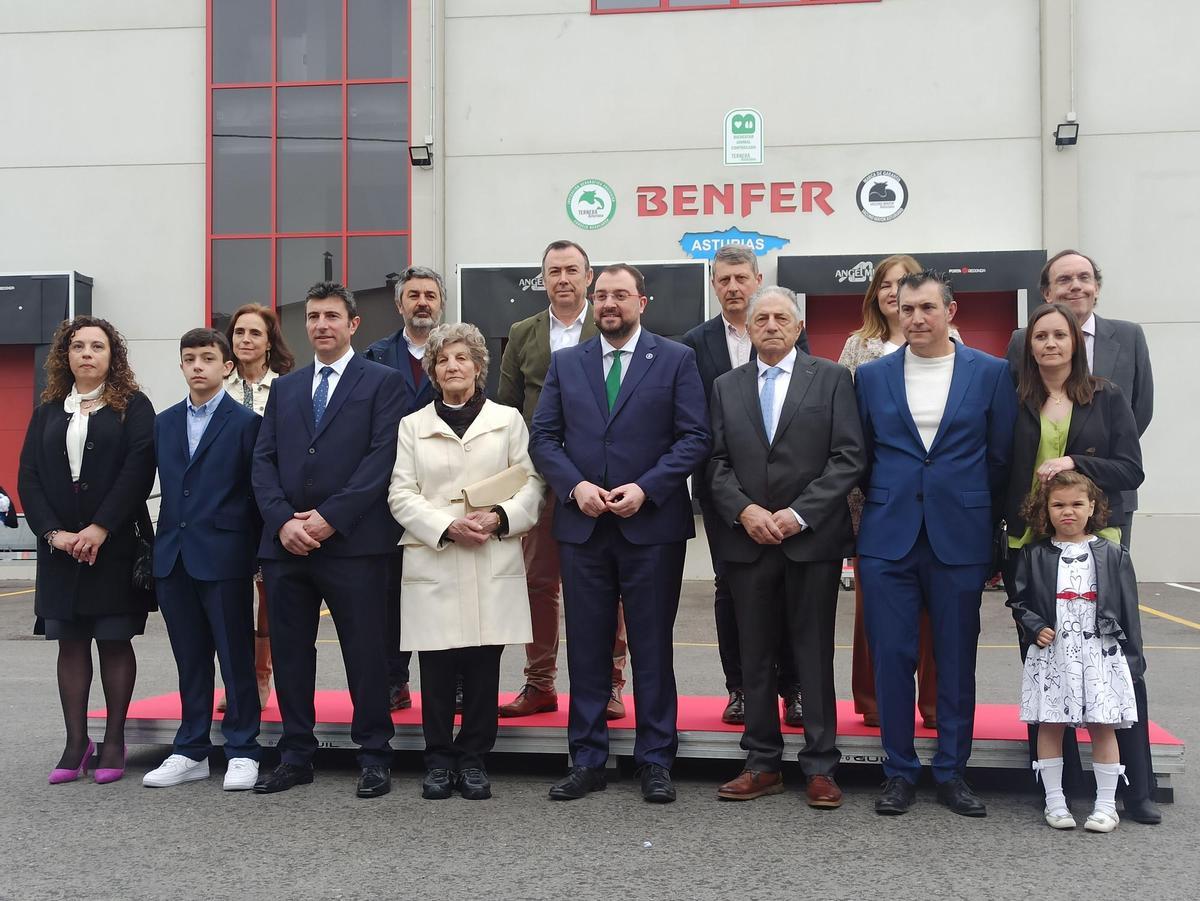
[[176, 770], [1099, 821], [241, 774], [1059, 820]]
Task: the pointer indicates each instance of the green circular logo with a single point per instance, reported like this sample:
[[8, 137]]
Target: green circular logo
[[591, 203]]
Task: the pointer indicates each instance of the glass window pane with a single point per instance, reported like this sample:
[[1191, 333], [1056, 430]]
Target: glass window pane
[[302, 263], [672, 4], [378, 39], [310, 40], [241, 41], [379, 164], [372, 259], [241, 273], [310, 159], [628, 4], [241, 161]]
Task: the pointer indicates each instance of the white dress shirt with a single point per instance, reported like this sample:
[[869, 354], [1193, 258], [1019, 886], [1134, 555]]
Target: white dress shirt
[[738, 344], [626, 353], [566, 334], [77, 426], [1089, 338], [782, 381], [339, 366], [416, 350]]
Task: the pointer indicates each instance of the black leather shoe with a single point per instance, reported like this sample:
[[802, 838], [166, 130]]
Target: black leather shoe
[[961, 798], [473, 784], [375, 782], [897, 797], [735, 710], [399, 697], [579, 781], [793, 708], [656, 784], [1142, 810], [283, 777], [437, 785]]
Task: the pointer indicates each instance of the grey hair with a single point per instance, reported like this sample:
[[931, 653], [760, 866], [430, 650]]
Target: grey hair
[[422, 272], [455, 333], [735, 255], [797, 301]]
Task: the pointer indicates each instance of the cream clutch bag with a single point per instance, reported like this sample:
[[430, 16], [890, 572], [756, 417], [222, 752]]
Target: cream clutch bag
[[487, 493]]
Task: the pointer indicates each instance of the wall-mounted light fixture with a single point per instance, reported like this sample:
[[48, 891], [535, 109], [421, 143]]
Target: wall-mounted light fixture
[[1066, 135], [421, 155]]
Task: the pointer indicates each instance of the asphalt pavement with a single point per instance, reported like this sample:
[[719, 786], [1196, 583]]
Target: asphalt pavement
[[123, 841]]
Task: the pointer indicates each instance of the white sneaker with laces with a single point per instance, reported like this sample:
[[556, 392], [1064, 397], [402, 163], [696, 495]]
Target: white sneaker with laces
[[1060, 820], [176, 770], [241, 774]]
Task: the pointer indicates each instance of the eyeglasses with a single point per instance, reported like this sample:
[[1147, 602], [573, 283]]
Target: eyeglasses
[[618, 296]]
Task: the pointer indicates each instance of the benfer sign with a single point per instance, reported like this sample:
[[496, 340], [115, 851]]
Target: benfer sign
[[882, 196], [591, 203]]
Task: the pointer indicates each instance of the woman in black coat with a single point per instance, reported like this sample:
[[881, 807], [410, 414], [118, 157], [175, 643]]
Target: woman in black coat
[[87, 467]]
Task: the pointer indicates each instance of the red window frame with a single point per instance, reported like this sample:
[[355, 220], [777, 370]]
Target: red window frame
[[345, 83], [664, 7]]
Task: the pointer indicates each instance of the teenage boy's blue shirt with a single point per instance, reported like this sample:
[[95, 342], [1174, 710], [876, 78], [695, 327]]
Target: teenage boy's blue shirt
[[198, 419]]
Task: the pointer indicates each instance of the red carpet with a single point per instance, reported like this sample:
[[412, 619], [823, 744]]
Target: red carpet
[[993, 722]]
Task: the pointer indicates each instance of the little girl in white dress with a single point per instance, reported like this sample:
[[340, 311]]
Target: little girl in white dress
[[1070, 604]]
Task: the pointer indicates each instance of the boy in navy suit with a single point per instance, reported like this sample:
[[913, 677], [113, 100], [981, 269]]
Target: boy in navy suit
[[204, 561]]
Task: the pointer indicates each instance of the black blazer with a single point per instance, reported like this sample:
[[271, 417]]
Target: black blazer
[[1103, 442], [816, 457], [340, 468], [712, 359], [114, 482], [1035, 588]]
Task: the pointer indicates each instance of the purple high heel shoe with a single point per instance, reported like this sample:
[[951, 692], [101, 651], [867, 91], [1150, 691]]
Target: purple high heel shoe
[[104, 775], [59, 775]]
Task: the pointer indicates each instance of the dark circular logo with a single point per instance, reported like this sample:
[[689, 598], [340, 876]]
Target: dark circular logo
[[882, 196]]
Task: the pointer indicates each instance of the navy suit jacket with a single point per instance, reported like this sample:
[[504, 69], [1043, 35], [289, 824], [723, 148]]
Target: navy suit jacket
[[208, 514], [956, 488], [392, 352], [656, 436], [340, 468]]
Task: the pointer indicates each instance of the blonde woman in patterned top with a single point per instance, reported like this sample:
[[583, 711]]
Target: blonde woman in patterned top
[[262, 356]]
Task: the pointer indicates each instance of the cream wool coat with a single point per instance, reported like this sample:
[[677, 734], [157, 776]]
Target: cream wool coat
[[453, 596]]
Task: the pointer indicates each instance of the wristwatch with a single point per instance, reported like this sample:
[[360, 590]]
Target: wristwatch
[[49, 536]]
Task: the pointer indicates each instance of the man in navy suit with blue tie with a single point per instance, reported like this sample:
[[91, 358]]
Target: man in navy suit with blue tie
[[937, 423], [204, 563], [420, 300], [620, 425], [321, 469]]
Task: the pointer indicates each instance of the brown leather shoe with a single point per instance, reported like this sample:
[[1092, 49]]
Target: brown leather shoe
[[793, 708], [823, 792], [615, 709], [735, 710], [399, 697], [751, 784], [871, 719], [929, 722], [531, 700]]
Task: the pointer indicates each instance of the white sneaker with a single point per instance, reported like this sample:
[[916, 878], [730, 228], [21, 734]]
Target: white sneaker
[[241, 774], [1059, 820], [1099, 821], [176, 770]]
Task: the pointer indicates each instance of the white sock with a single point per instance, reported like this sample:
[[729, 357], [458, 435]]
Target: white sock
[[1107, 777], [1051, 772]]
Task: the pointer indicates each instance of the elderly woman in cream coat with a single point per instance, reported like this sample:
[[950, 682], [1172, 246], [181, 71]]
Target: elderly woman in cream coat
[[464, 489]]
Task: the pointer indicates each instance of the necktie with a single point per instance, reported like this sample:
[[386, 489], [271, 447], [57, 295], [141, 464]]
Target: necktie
[[321, 395], [612, 384], [247, 394], [766, 400]]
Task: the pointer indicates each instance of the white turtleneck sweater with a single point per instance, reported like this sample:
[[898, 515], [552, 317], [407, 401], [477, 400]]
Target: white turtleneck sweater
[[927, 385]]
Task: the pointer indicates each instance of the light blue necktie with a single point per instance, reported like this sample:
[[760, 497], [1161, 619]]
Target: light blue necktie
[[766, 400], [321, 395]]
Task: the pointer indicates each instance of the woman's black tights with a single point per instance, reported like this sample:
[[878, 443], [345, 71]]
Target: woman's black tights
[[118, 671]]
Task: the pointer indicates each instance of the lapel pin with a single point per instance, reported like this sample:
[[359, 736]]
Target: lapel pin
[[649, 356]]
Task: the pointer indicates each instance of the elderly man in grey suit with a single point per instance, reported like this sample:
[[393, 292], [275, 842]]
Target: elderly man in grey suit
[[1116, 350], [787, 448]]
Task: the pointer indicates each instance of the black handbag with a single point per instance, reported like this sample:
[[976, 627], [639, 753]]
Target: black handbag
[[143, 555]]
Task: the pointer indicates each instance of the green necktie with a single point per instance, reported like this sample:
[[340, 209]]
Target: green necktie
[[612, 384]]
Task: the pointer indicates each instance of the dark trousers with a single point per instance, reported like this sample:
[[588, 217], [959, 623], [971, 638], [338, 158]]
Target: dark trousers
[[480, 670], [894, 592], [775, 596], [203, 619], [355, 590], [397, 660], [645, 580], [728, 642]]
